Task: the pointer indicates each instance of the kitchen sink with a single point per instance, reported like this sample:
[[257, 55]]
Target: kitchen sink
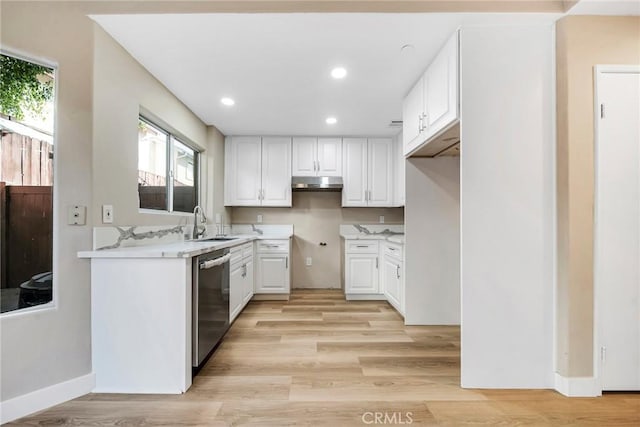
[[216, 239]]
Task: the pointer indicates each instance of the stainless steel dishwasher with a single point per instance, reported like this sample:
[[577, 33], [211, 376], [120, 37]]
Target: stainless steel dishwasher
[[210, 303]]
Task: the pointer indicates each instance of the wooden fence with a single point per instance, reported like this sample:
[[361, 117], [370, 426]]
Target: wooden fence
[[25, 160], [27, 232]]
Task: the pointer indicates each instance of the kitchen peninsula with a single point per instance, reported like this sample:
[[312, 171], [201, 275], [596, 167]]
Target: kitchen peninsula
[[141, 301]]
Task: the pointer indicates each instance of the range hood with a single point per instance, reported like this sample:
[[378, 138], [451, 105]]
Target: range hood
[[316, 183]]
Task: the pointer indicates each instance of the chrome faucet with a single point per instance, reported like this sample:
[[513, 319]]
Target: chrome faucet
[[197, 232]]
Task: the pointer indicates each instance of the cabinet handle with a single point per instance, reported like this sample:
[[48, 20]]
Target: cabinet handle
[[392, 249], [376, 262], [318, 165], [397, 271], [362, 246], [286, 262]]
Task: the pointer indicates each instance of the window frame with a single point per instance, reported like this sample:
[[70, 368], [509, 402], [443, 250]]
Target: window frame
[[53, 305], [169, 167]]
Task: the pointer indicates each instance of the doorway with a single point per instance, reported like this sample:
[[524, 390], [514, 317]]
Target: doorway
[[617, 227]]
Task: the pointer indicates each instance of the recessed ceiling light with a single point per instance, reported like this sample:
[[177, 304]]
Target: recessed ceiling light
[[338, 73], [227, 101], [331, 120]]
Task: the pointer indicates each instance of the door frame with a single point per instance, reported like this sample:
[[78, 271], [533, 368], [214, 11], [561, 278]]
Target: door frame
[[598, 71]]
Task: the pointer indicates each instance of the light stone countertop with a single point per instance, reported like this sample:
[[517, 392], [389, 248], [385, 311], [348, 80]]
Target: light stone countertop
[[184, 249], [394, 238]]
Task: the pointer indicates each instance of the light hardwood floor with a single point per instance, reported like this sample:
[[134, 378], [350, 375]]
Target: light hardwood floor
[[320, 360]]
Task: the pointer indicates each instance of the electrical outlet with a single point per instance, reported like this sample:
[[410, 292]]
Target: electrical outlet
[[381, 219], [259, 219], [77, 215], [309, 261], [107, 214]]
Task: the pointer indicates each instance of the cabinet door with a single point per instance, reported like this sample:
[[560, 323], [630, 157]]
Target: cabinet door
[[361, 274], [243, 170], [354, 156], [248, 282], [236, 280], [303, 151], [412, 109], [399, 189], [380, 174], [441, 86], [273, 273], [276, 171], [391, 282], [329, 157]]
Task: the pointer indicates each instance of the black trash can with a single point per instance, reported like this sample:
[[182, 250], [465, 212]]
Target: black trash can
[[36, 291]]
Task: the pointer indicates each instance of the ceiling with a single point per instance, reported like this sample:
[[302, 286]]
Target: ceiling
[[277, 66]]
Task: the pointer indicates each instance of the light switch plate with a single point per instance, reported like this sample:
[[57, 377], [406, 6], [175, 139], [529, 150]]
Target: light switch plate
[[107, 214], [381, 219], [259, 219], [309, 261], [77, 215]]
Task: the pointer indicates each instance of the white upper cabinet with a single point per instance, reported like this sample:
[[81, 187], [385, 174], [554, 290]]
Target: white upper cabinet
[[380, 174], [276, 171], [412, 115], [329, 156], [432, 105], [243, 165], [304, 156], [441, 88], [317, 156], [257, 171], [368, 172], [354, 154], [399, 190]]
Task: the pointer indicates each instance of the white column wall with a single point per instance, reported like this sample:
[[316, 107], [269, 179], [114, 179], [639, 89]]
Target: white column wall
[[507, 206]]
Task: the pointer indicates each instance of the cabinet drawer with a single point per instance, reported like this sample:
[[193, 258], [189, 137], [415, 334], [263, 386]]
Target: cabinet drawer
[[361, 246], [236, 254], [273, 246], [393, 250], [247, 250]]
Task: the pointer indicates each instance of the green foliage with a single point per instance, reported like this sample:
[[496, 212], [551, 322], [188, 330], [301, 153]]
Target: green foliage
[[24, 86]]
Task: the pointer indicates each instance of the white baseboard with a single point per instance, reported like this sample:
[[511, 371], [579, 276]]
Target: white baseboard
[[365, 297], [44, 398], [577, 386]]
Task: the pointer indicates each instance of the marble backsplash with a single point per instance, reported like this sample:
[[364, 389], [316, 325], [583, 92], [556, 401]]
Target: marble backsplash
[[372, 229]]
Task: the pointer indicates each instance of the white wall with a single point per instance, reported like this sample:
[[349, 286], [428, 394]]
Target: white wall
[[507, 194], [432, 241], [46, 354], [51, 346], [121, 87]]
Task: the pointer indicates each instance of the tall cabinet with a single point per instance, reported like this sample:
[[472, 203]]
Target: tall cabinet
[[367, 172], [257, 171]]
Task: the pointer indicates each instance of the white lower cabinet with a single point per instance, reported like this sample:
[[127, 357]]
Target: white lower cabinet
[[393, 276], [374, 270], [273, 267], [240, 279], [362, 263]]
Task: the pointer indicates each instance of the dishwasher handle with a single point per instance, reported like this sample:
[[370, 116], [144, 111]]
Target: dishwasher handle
[[214, 262]]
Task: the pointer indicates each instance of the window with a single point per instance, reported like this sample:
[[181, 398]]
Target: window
[[165, 185], [26, 183]]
